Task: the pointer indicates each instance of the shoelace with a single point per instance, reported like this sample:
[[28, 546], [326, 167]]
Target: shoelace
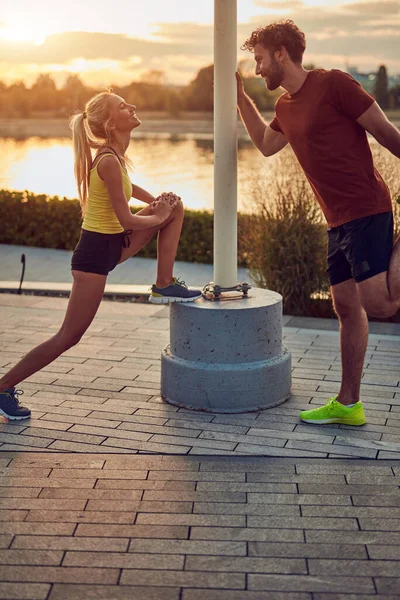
[[180, 282], [14, 396], [329, 407]]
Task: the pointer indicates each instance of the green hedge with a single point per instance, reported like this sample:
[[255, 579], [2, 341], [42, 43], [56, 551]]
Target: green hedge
[[51, 222], [38, 220]]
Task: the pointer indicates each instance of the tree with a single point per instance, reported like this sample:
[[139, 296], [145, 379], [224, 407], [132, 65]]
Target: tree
[[381, 91], [18, 100], [200, 92], [154, 76], [44, 92], [394, 97], [74, 93]]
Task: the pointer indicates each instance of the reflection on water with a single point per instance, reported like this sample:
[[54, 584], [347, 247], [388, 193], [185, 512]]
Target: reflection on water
[[45, 165]]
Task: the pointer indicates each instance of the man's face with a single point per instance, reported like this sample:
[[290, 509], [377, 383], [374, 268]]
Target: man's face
[[268, 67]]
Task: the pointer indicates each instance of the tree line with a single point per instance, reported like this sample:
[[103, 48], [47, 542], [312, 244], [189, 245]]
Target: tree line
[[151, 93]]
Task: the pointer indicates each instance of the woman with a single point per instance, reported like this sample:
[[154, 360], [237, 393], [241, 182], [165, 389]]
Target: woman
[[110, 234]]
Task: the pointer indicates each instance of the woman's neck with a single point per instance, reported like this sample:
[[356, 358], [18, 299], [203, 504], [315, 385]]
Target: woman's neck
[[120, 144]]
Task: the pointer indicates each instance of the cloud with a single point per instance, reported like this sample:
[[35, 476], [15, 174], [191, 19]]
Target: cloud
[[279, 4], [365, 33], [64, 47], [388, 7]]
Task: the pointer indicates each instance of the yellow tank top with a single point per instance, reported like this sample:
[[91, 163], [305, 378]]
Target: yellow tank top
[[100, 215]]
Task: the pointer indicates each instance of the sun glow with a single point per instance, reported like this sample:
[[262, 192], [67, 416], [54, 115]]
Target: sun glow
[[23, 32]]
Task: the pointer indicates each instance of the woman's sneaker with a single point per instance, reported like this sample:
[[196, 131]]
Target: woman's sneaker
[[10, 406], [177, 291], [335, 412]]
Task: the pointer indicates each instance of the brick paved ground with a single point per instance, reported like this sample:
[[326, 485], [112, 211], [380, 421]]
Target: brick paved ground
[[195, 528], [99, 498], [103, 395]]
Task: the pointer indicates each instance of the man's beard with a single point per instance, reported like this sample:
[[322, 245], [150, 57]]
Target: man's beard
[[274, 76]]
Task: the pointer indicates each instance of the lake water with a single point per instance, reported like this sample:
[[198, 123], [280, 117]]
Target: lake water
[[185, 166]]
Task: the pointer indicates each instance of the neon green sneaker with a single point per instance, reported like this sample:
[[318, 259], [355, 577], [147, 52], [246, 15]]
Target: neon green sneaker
[[335, 412]]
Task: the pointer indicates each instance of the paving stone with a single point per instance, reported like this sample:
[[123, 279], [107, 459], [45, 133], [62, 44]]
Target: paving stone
[[32, 542], [191, 519], [58, 574], [98, 474], [37, 528], [183, 579], [196, 476], [354, 537], [106, 592], [41, 504], [309, 488], [123, 560], [304, 522], [242, 595], [376, 500], [106, 433], [383, 552], [387, 585], [372, 524], [322, 596], [24, 591], [133, 531], [246, 534], [376, 512], [289, 478], [69, 516], [12, 515], [304, 583], [5, 540], [232, 508], [246, 564], [339, 568], [308, 550], [188, 547], [30, 557]]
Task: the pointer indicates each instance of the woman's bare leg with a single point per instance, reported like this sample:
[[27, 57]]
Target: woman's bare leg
[[86, 295], [167, 245]]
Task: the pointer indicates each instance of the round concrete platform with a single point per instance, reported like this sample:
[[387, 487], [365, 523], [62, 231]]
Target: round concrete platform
[[227, 356]]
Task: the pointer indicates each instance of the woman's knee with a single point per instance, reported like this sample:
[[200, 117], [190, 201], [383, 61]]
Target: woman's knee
[[179, 210]]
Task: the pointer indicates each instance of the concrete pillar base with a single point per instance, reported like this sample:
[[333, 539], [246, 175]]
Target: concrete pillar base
[[227, 356]]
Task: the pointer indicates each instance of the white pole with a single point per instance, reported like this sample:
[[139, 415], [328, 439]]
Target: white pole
[[225, 143]]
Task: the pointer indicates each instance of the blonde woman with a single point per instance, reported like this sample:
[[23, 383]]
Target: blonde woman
[[110, 234]]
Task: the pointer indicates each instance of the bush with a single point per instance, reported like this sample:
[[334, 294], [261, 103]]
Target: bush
[[286, 239], [37, 220], [27, 219]]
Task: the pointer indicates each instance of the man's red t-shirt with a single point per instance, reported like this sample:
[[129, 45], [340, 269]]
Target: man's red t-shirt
[[320, 124]]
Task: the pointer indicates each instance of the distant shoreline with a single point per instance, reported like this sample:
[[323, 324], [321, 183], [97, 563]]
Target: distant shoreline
[[154, 124], [198, 125]]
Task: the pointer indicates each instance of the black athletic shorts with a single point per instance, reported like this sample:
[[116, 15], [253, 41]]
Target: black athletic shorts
[[360, 249], [99, 252]]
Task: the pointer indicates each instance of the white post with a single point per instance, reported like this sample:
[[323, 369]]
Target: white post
[[225, 143]]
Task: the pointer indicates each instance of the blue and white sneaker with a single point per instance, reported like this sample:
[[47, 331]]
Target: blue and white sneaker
[[177, 291], [10, 406]]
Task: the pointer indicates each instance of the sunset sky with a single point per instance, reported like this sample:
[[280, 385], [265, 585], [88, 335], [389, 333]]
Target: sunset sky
[[117, 42]]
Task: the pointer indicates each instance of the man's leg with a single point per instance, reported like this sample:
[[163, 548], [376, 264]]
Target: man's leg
[[353, 323], [393, 280], [379, 294], [346, 408]]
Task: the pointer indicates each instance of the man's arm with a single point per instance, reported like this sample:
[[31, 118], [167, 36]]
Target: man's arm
[[266, 139], [376, 123]]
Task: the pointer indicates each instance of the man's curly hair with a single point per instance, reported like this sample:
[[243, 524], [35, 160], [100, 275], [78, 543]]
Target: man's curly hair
[[277, 34]]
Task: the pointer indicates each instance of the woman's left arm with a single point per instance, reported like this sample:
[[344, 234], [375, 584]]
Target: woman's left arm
[[141, 194]]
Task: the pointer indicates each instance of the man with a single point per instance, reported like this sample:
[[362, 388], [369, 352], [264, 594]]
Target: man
[[324, 116]]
